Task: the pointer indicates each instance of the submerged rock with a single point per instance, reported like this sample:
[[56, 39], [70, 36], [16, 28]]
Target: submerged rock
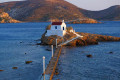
[[28, 62], [14, 67], [111, 52], [56, 71], [89, 55], [38, 44], [1, 70], [48, 49]]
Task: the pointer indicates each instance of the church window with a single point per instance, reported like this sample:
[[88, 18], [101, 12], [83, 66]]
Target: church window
[[55, 27]]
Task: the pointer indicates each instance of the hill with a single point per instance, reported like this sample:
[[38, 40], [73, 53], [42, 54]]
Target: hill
[[5, 18], [112, 13], [45, 10], [42, 10]]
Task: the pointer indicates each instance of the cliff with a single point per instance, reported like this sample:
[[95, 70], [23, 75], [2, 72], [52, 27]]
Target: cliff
[[5, 18]]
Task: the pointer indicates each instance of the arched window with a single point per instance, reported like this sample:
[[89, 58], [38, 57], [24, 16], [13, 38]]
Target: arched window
[[55, 27], [63, 28]]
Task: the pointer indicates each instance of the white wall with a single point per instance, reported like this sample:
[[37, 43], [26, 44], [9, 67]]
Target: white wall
[[55, 32], [63, 25], [59, 27], [59, 31]]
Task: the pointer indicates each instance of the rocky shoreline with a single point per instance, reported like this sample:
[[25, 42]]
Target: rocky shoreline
[[88, 39], [84, 21], [5, 18]]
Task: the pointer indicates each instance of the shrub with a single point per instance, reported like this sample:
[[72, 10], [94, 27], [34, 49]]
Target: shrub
[[69, 28], [48, 27]]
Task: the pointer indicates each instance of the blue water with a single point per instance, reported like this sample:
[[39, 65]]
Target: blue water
[[12, 52], [74, 65]]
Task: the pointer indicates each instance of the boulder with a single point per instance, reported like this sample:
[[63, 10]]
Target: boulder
[[28, 62], [89, 55]]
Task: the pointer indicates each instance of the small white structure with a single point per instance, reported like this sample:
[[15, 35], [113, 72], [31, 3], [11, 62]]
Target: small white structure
[[57, 28]]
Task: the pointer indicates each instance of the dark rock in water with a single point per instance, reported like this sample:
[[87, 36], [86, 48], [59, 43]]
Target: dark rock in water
[[38, 44], [38, 40], [25, 53], [48, 49], [89, 55], [111, 52], [58, 63], [1, 70], [14, 67], [28, 62], [56, 71], [21, 42]]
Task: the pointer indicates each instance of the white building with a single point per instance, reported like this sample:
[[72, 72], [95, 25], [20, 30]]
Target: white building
[[57, 28]]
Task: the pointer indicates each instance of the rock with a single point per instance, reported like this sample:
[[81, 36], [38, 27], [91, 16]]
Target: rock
[[14, 67], [48, 49], [28, 62], [38, 44], [87, 39], [21, 42], [25, 53], [111, 52], [51, 40], [89, 56], [1, 70], [56, 71], [5, 18]]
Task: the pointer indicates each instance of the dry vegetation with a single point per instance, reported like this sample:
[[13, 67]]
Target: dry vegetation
[[5, 18]]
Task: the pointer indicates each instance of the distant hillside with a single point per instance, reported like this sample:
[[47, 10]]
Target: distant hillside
[[5, 18], [87, 21], [42, 10], [112, 13], [45, 10]]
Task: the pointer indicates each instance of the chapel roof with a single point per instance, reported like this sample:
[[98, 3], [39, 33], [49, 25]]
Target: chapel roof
[[56, 23]]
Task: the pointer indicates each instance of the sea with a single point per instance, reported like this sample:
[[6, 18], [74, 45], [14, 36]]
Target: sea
[[18, 45]]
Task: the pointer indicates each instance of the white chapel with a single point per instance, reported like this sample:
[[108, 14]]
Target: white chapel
[[57, 28]]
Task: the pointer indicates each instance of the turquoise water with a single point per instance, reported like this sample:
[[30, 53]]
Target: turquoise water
[[20, 38], [74, 65]]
